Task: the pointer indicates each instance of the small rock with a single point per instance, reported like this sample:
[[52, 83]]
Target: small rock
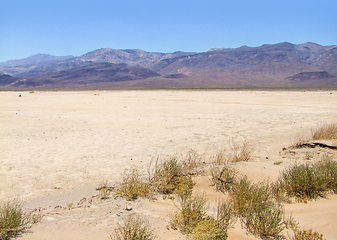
[[128, 208]]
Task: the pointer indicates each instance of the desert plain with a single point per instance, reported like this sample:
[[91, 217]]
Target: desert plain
[[57, 147]]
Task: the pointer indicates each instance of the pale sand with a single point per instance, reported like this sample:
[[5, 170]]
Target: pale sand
[[56, 147]]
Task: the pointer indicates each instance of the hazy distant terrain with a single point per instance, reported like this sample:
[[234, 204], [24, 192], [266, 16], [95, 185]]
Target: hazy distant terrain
[[270, 65]]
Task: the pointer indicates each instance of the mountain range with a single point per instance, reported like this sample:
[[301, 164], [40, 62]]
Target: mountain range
[[270, 65]]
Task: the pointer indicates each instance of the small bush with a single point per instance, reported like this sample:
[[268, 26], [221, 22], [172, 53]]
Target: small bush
[[325, 132], [246, 196], [328, 170], [308, 181], [191, 211], [307, 235], [167, 177], [132, 185], [266, 221], [224, 178], [133, 228], [13, 221]]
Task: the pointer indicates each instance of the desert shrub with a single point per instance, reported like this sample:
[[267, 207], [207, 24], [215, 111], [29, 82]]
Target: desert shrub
[[325, 132], [13, 221], [225, 214], [308, 181], [247, 196], [241, 153], [266, 221], [191, 211], [167, 177], [223, 177], [133, 228], [328, 170], [307, 235], [208, 229], [132, 185]]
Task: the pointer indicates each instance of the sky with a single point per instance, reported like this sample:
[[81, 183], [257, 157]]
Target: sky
[[76, 27]]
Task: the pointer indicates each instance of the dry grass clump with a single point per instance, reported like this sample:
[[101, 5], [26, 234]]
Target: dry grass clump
[[13, 221], [167, 176], [238, 153], [192, 163], [307, 235], [325, 132], [132, 185], [307, 181], [241, 153], [133, 228]]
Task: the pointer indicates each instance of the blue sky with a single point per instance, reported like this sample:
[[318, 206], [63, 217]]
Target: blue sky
[[76, 27]]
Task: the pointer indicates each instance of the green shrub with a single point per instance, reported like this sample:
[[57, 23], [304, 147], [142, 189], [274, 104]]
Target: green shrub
[[246, 196], [167, 177], [132, 186], [328, 170], [13, 221], [133, 228], [191, 211], [308, 181], [266, 221]]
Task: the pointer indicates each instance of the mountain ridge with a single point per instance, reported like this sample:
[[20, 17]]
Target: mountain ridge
[[268, 65]]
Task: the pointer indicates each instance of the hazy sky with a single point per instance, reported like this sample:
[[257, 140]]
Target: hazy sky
[[76, 27]]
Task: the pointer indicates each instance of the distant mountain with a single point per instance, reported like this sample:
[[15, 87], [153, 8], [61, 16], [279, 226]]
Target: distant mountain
[[270, 65], [38, 58], [93, 74]]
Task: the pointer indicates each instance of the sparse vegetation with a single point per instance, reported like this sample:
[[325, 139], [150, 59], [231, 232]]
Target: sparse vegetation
[[13, 220], [133, 228], [132, 185]]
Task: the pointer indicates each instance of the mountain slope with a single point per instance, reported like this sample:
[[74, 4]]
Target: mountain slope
[[92, 74]]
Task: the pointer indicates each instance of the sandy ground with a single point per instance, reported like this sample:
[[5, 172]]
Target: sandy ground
[[56, 147]]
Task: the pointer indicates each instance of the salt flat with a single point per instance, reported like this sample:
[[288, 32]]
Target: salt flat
[[56, 147]]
